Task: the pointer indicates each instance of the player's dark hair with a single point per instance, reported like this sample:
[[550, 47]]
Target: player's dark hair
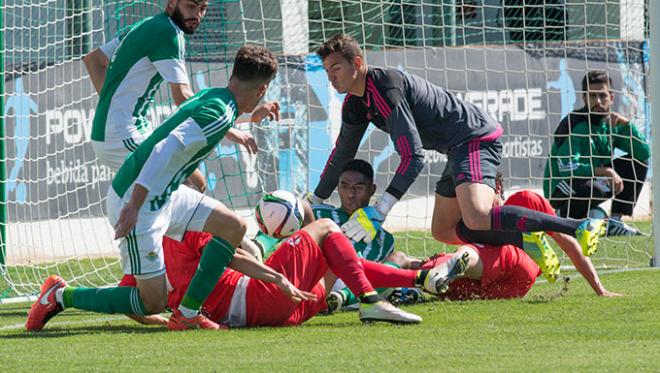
[[360, 166], [595, 77], [343, 44], [254, 64]]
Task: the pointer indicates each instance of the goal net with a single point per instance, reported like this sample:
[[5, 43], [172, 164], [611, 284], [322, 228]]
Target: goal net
[[521, 60]]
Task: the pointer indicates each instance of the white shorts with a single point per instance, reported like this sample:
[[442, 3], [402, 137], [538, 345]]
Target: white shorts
[[142, 249], [113, 153]]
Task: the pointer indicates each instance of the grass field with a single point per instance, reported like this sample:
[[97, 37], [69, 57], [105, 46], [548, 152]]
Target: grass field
[[545, 331], [574, 332]]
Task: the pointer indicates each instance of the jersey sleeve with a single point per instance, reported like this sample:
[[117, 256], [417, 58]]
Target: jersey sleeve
[[214, 119], [352, 130], [168, 56], [110, 47], [406, 140], [629, 139], [182, 143]]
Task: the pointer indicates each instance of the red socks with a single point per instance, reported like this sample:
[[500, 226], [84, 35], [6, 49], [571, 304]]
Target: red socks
[[344, 262]]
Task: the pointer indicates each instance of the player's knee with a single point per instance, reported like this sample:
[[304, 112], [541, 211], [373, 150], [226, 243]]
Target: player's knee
[[327, 226], [235, 224], [442, 234], [477, 220], [154, 304]]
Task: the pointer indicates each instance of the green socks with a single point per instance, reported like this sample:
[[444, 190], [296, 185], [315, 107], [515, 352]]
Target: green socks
[[217, 255], [124, 300]]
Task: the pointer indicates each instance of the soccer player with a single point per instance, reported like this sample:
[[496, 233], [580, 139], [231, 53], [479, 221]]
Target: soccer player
[[311, 259], [581, 173], [419, 115], [356, 187], [147, 201], [502, 272], [127, 72]]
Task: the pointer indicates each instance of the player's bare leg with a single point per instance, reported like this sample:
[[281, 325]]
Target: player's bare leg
[[475, 201], [446, 215], [344, 262], [153, 292]]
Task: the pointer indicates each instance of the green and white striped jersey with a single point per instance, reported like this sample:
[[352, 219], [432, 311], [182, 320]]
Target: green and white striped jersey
[[377, 250], [173, 151], [152, 50]]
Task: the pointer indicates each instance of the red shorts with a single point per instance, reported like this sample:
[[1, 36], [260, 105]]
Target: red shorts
[[507, 273], [300, 260]]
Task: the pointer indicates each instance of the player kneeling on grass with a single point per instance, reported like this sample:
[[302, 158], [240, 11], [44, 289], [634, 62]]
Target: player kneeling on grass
[[502, 272], [309, 260], [147, 202]]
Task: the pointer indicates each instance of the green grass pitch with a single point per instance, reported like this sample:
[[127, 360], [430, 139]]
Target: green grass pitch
[[574, 332], [577, 331]]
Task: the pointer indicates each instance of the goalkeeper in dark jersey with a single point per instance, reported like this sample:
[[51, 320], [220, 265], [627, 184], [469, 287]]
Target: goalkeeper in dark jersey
[[419, 115]]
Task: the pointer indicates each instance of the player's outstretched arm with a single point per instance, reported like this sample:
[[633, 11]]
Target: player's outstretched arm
[[247, 264], [149, 320], [572, 248]]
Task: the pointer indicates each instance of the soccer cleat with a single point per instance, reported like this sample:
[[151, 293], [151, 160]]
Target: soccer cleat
[[618, 228], [438, 279], [384, 311], [404, 296], [536, 245], [179, 322], [46, 306], [588, 234], [335, 300]]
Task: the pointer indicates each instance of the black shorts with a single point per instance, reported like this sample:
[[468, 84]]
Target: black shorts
[[473, 162]]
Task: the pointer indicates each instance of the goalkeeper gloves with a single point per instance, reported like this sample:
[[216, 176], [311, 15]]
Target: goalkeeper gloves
[[364, 223]]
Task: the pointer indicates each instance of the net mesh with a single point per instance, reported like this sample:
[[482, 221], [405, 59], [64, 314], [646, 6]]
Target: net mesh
[[521, 60]]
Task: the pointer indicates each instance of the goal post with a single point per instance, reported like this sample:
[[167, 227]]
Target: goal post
[[654, 35]]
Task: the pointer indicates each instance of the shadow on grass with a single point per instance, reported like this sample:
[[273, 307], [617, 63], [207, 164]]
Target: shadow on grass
[[59, 332]]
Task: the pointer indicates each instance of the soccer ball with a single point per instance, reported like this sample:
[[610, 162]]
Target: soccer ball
[[279, 214]]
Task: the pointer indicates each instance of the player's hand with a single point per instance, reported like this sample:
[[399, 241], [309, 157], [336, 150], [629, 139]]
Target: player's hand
[[126, 222], [246, 140], [270, 110], [616, 119], [609, 294], [617, 182], [363, 225], [295, 294]]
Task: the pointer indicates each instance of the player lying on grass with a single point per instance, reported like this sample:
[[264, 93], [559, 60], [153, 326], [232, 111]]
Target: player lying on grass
[[501, 272], [147, 202], [418, 115], [309, 259], [356, 187]]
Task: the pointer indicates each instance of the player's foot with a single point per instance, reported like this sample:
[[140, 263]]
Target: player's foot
[[334, 301], [536, 245], [46, 306], [616, 227], [384, 311], [404, 296], [589, 233], [179, 322], [438, 279]]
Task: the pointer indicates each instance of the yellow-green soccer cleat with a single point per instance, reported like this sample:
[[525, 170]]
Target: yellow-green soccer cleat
[[589, 233], [536, 245]]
